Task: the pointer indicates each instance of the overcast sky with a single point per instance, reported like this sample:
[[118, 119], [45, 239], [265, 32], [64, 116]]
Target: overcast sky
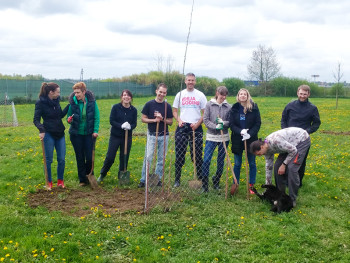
[[116, 38]]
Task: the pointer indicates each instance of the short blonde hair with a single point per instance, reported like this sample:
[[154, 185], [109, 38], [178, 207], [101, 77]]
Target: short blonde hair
[[80, 85]]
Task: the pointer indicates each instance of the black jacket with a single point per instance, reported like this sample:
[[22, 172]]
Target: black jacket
[[253, 123], [119, 115], [52, 114], [90, 113], [302, 115]]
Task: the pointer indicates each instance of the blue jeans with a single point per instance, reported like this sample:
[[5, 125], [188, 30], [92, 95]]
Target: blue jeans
[[208, 154], [252, 167], [151, 140], [50, 144]]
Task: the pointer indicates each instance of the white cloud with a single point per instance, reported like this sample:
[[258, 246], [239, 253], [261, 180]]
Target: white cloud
[[56, 38]]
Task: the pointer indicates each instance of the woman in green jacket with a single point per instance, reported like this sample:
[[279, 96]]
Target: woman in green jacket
[[84, 120]]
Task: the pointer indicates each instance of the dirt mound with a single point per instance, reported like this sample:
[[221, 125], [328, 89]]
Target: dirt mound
[[336, 133], [77, 202]]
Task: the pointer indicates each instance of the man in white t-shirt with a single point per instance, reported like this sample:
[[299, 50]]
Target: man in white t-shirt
[[191, 103]]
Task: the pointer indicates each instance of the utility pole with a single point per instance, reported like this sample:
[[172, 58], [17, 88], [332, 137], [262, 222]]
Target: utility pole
[[82, 75], [315, 76]]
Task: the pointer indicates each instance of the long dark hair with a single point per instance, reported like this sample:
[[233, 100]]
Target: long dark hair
[[46, 88], [127, 92]]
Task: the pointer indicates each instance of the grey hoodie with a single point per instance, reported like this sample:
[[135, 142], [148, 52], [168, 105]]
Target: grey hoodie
[[211, 112]]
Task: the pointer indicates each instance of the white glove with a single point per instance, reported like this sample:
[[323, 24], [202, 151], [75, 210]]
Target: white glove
[[219, 126], [128, 126], [219, 120], [246, 136], [244, 131]]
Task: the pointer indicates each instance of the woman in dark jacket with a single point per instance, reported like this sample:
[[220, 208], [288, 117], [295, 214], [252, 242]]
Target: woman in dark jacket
[[123, 117], [245, 124], [52, 129], [84, 119]]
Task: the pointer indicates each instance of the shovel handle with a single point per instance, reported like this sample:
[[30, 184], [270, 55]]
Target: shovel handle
[[93, 154], [125, 148], [194, 154], [228, 157], [246, 166], [45, 165]]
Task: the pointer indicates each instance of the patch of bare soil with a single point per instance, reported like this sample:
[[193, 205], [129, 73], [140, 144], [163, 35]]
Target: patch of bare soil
[[76, 202], [336, 133]]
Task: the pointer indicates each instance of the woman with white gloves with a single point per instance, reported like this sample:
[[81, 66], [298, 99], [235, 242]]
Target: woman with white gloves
[[123, 117], [245, 124]]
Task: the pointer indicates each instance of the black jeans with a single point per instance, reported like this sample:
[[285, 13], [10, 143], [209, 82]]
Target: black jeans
[[291, 177], [302, 168], [116, 143], [82, 145], [183, 137]]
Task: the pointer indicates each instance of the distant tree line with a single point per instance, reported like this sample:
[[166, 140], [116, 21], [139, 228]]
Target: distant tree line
[[279, 86]]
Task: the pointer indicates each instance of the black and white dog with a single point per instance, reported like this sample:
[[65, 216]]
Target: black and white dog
[[281, 202]]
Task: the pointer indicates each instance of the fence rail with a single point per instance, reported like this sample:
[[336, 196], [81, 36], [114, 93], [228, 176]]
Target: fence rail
[[30, 88]]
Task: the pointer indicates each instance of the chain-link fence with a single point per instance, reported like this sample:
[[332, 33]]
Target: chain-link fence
[[187, 170], [29, 89], [8, 116]]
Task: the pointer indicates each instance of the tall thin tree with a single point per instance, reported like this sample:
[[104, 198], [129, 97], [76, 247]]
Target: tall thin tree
[[338, 75]]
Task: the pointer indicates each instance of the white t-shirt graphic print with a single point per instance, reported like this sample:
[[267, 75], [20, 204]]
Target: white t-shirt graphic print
[[191, 104]]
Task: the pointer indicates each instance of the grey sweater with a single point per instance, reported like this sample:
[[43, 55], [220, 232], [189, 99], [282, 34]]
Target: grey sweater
[[211, 112]]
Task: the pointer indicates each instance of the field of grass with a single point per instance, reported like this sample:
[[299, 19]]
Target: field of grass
[[205, 229]]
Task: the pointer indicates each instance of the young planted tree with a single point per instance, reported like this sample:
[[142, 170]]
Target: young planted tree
[[338, 74], [263, 65]]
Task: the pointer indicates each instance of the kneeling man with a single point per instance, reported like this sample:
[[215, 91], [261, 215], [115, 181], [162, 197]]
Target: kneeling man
[[292, 145]]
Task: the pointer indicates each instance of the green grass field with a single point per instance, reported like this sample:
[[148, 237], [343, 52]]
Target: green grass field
[[205, 229]]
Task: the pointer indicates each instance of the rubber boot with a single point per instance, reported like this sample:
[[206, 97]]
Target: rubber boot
[[177, 178], [216, 182], [205, 187]]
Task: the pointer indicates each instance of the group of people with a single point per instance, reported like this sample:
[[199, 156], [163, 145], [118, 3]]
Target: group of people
[[84, 118], [190, 109]]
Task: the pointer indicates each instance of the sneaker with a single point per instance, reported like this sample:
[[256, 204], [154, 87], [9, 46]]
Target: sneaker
[[83, 184], [141, 185], [250, 189], [177, 184], [100, 178], [49, 186], [159, 183], [60, 183]]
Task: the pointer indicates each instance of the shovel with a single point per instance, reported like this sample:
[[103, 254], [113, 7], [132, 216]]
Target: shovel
[[234, 187], [91, 177], [195, 183], [246, 167], [45, 167], [153, 177], [124, 176]]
